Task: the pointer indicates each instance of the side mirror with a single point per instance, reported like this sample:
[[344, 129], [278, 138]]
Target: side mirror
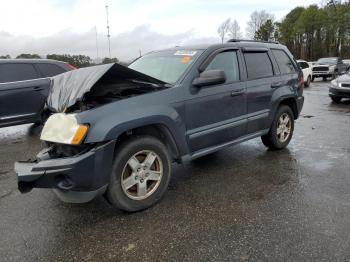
[[210, 77]]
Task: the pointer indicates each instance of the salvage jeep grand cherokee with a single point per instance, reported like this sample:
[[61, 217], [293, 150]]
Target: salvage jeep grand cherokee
[[117, 130]]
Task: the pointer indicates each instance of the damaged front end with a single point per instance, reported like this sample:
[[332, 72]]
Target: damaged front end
[[76, 173], [79, 171]]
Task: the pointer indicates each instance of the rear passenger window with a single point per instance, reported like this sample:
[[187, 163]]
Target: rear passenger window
[[17, 72], [228, 62], [49, 70], [285, 64], [258, 65]]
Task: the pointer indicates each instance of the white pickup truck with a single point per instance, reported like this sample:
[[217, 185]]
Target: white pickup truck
[[328, 67]]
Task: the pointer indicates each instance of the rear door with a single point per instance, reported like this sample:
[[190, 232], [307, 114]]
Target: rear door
[[217, 114], [260, 87], [20, 100]]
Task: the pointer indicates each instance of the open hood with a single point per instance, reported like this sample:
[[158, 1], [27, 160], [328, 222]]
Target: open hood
[[70, 87]]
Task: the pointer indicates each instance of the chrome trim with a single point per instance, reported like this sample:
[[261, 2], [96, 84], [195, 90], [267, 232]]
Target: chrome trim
[[16, 116]]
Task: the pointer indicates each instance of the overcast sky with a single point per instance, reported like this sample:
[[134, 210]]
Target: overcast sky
[[68, 26]]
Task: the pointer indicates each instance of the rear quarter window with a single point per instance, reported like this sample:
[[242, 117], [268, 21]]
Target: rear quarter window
[[258, 65], [48, 70], [284, 62], [17, 72]]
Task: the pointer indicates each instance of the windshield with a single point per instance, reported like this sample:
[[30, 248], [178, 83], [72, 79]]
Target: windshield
[[167, 66], [331, 61]]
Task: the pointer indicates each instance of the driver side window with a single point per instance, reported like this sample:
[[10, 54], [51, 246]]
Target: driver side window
[[228, 62]]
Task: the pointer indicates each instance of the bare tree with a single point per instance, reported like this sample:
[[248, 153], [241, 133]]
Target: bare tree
[[235, 30], [257, 19], [223, 29]]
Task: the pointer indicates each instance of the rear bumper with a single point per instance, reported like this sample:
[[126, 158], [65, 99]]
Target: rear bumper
[[339, 92], [75, 179]]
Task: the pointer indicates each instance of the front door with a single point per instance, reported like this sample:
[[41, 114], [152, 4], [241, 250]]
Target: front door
[[216, 114]]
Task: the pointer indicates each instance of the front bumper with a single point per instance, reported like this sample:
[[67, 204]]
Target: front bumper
[[75, 179], [339, 92], [322, 74]]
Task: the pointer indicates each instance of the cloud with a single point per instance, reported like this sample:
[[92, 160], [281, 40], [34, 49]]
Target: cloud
[[67, 26], [125, 46]]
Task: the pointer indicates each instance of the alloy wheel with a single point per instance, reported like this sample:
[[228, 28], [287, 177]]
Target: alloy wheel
[[142, 175], [284, 127]]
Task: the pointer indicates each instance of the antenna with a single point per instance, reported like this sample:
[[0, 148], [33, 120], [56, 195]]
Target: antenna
[[108, 35]]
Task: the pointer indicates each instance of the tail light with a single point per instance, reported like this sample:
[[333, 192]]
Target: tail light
[[70, 67]]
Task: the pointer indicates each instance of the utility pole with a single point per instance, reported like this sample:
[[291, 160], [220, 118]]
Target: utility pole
[[96, 42], [108, 35]]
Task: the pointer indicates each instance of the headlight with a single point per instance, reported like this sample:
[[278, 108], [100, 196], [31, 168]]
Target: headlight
[[335, 84], [64, 129]]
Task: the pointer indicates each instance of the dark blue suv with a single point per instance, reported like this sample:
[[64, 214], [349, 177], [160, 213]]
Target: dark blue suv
[[116, 130]]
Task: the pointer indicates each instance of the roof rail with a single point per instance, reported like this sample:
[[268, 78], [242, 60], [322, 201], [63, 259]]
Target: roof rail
[[254, 41]]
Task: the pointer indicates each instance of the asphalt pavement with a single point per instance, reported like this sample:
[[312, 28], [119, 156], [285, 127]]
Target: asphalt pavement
[[244, 203]]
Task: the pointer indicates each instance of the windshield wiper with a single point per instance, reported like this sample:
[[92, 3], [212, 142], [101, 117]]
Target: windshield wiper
[[151, 83]]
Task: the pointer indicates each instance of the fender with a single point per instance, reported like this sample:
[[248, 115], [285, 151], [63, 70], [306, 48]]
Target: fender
[[112, 125], [278, 96]]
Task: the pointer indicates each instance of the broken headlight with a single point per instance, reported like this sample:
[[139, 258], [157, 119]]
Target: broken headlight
[[64, 129]]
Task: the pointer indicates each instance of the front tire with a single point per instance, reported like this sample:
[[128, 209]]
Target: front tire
[[140, 175], [281, 130]]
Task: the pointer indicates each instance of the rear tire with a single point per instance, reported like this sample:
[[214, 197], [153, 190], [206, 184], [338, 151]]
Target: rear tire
[[140, 175], [324, 78], [281, 130], [312, 79], [336, 99]]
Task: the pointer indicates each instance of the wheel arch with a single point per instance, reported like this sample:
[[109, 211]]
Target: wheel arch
[[157, 130], [290, 101]]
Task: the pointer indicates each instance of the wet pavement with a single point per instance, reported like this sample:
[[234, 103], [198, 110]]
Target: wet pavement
[[242, 203]]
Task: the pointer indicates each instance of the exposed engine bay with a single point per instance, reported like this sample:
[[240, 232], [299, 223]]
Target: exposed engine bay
[[104, 93], [86, 88]]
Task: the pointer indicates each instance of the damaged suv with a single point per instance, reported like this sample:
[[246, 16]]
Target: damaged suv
[[116, 130]]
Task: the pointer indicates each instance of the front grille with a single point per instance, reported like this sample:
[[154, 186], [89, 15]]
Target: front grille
[[320, 69], [345, 85]]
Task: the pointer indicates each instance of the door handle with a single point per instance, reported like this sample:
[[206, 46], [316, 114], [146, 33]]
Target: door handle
[[276, 85], [237, 92], [38, 88]]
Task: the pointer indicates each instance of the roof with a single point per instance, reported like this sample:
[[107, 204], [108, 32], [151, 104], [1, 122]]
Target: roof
[[236, 43]]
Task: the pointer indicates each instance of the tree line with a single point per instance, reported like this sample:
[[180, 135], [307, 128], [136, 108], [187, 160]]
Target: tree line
[[308, 32], [78, 61]]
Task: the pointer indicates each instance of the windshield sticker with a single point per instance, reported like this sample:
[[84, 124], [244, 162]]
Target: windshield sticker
[[185, 52], [186, 59]]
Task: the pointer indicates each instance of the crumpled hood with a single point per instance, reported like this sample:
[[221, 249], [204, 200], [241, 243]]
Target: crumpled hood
[[70, 87]]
